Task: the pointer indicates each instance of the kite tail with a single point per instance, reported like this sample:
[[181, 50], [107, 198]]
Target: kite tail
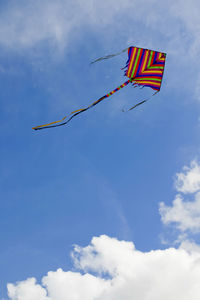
[[108, 56], [140, 102], [79, 111]]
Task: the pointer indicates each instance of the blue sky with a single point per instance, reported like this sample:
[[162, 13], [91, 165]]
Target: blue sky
[[107, 171]]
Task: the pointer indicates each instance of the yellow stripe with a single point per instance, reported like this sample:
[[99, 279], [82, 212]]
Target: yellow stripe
[[145, 78], [76, 111], [152, 71], [150, 82], [50, 123]]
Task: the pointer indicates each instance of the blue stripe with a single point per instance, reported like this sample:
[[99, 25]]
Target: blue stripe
[[152, 86], [130, 53], [155, 57], [143, 52], [150, 75]]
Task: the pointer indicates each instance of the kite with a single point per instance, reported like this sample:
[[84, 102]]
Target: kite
[[144, 68]]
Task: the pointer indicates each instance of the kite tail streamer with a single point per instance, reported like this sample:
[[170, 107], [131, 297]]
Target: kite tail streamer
[[140, 102], [79, 111], [108, 56], [137, 104]]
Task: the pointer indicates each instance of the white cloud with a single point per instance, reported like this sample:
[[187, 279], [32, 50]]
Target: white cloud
[[189, 246], [27, 289], [109, 269], [185, 214], [73, 285], [168, 274], [188, 181]]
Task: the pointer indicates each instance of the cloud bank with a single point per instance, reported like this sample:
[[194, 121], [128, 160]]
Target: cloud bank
[[113, 270], [109, 269]]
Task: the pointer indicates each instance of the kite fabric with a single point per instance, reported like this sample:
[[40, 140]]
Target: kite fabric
[[144, 68]]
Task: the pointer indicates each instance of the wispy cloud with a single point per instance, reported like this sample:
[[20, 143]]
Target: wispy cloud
[[57, 26], [52, 22], [169, 26], [57, 22]]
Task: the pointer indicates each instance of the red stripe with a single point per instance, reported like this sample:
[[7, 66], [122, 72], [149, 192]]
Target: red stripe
[[159, 65]]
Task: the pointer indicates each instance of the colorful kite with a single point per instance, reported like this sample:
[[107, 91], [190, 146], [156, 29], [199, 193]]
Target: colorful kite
[[144, 68]]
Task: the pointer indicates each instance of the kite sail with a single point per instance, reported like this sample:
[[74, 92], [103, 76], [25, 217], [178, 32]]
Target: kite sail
[[144, 68]]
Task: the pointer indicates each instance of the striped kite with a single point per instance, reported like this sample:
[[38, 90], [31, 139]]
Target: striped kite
[[144, 68]]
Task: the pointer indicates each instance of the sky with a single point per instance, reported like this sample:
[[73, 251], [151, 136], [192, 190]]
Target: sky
[[107, 207]]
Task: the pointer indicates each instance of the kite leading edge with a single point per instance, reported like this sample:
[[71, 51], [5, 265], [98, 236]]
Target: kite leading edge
[[144, 67]]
